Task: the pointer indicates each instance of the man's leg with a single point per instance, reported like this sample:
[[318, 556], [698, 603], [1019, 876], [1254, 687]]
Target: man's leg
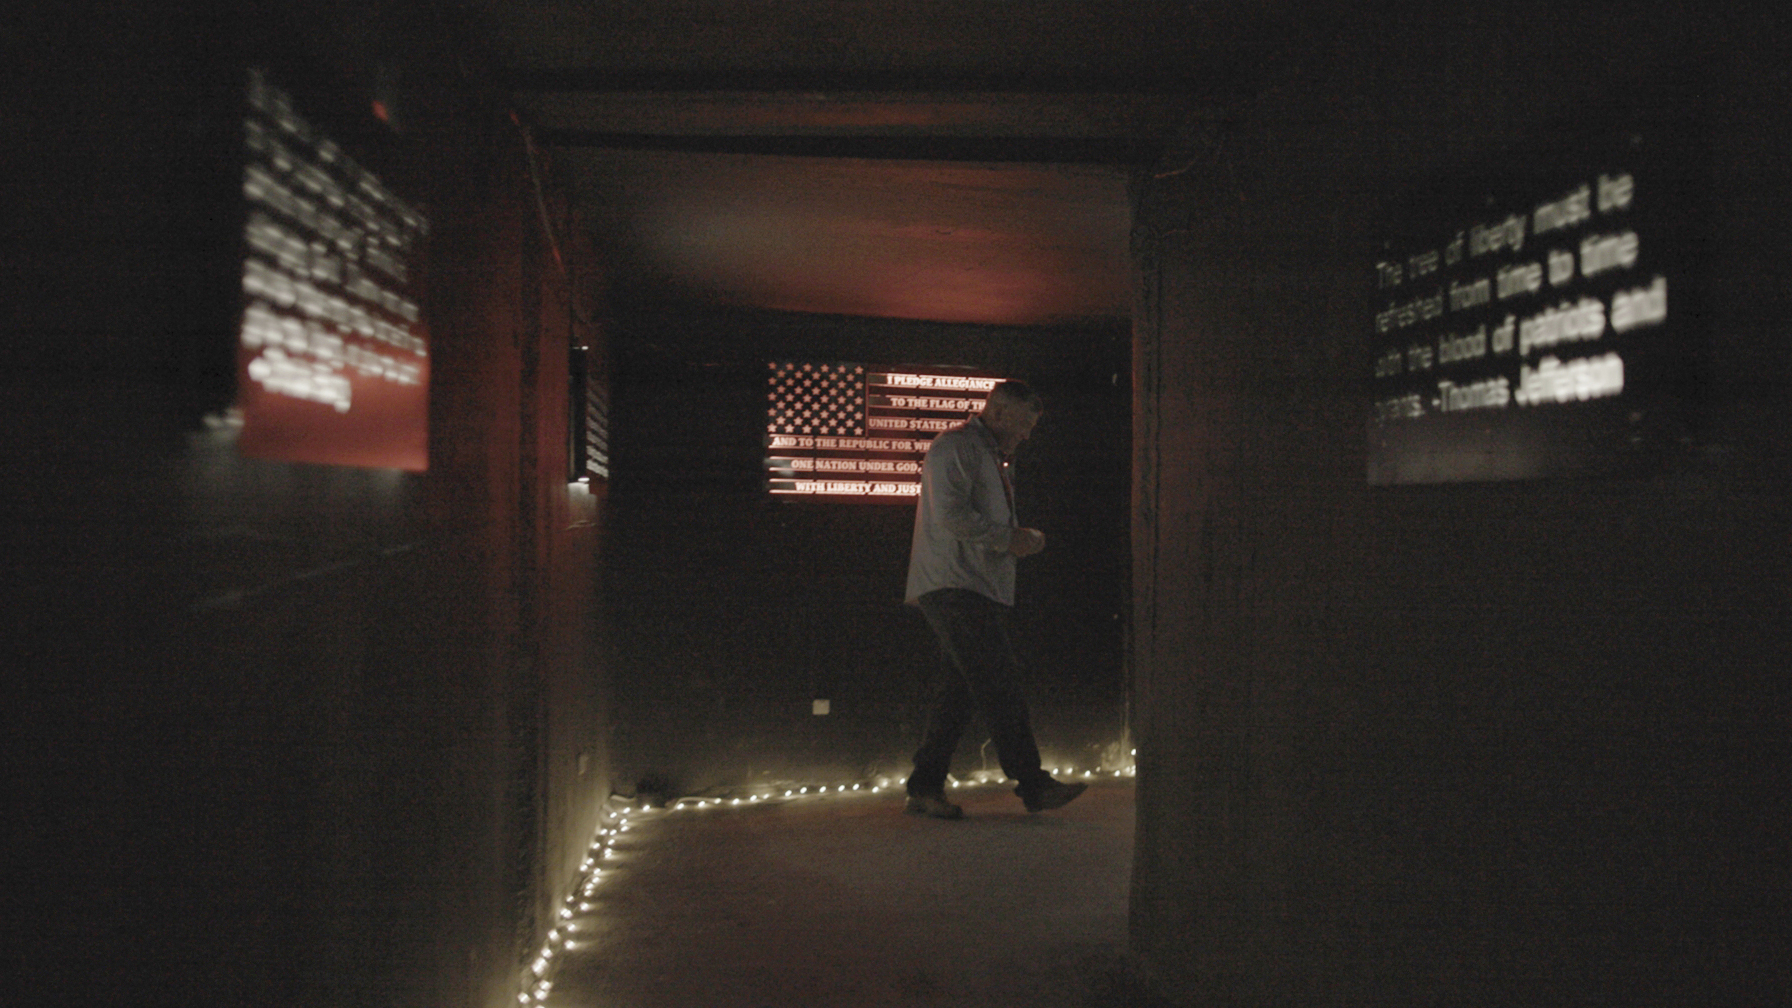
[[946, 721], [973, 633]]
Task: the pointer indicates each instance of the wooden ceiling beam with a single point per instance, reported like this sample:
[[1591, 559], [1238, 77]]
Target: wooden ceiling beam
[[1032, 150], [1166, 80], [857, 114]]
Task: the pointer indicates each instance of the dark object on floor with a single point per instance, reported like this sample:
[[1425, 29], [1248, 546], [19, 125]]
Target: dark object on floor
[[1049, 795], [930, 805]]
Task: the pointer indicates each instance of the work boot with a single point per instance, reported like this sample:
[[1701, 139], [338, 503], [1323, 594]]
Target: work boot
[[1048, 794], [934, 805]]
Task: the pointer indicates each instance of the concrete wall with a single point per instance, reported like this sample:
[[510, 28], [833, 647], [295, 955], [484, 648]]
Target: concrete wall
[[734, 610], [1508, 743], [283, 733]]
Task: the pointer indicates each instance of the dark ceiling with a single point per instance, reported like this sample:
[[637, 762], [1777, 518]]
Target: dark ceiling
[[947, 160]]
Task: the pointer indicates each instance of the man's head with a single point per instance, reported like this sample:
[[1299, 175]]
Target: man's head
[[1012, 410]]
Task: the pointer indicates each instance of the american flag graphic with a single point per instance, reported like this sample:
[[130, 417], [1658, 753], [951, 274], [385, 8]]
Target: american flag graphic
[[819, 399]]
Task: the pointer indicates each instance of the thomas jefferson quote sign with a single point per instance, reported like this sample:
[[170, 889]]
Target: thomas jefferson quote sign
[[1523, 323]]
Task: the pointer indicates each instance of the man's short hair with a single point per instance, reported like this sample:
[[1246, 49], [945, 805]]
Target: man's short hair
[[1018, 393]]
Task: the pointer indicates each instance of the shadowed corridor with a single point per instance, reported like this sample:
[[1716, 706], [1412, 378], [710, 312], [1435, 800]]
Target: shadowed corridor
[[399, 402]]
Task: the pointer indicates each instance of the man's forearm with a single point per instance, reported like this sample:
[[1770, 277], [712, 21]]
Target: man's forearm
[[972, 526]]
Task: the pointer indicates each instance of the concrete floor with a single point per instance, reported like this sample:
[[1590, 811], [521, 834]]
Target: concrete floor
[[845, 901]]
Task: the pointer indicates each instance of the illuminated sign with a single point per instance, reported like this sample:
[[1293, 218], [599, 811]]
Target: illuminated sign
[[597, 431], [588, 419], [1525, 328], [855, 431], [332, 355]]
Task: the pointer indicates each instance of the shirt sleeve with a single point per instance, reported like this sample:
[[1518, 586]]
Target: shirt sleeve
[[962, 500]]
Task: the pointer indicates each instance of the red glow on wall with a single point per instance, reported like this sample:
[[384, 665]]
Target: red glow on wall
[[381, 430], [986, 244]]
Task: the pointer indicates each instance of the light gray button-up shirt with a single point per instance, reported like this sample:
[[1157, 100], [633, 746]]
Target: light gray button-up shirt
[[964, 519]]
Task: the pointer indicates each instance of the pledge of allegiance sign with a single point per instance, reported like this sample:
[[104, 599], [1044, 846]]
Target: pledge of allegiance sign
[[332, 356], [1522, 329], [855, 431]]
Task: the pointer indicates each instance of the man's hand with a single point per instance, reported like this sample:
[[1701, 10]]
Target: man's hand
[[1026, 542]]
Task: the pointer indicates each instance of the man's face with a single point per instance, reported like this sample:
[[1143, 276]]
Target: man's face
[[1010, 423]]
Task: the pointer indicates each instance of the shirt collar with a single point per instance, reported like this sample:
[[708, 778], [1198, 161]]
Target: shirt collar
[[989, 437]]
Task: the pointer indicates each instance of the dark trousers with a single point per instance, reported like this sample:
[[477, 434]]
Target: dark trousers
[[984, 677]]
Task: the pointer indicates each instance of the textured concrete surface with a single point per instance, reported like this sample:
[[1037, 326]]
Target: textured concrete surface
[[847, 901]]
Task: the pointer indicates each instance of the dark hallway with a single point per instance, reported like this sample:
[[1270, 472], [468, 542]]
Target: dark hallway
[[442, 434]]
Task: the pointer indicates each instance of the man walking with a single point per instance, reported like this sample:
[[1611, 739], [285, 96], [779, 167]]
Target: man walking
[[961, 575]]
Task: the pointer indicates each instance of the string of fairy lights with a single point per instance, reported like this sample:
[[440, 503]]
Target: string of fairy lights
[[537, 981]]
